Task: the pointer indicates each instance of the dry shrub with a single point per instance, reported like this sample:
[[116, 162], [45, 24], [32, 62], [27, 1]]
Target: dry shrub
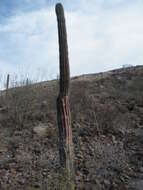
[[21, 103], [98, 117]]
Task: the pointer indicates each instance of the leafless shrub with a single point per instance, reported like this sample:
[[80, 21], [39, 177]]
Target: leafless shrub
[[98, 117], [20, 102]]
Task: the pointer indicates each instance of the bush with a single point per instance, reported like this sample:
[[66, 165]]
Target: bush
[[21, 102]]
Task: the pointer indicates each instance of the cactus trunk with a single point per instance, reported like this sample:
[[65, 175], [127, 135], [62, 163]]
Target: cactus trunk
[[63, 107]]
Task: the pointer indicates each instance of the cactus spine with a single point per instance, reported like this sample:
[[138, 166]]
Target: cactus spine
[[63, 108]]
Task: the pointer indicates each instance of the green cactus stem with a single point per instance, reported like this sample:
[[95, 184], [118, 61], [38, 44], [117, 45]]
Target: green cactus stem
[[63, 107]]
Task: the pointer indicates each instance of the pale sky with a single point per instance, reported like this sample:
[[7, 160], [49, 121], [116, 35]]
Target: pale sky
[[102, 35]]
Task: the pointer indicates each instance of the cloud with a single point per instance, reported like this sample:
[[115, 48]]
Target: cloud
[[30, 41], [106, 40], [101, 36]]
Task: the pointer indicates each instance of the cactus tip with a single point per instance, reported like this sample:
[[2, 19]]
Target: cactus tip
[[59, 6]]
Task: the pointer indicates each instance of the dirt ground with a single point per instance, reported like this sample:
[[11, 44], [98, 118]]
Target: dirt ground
[[107, 125]]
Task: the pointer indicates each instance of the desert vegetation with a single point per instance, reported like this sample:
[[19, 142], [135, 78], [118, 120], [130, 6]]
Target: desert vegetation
[[107, 133], [90, 139]]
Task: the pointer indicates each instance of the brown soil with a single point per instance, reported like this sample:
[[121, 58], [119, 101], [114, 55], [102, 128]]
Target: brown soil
[[107, 124]]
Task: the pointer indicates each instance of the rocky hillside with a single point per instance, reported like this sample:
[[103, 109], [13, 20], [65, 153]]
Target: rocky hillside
[[107, 124]]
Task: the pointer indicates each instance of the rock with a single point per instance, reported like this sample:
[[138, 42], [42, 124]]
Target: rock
[[81, 186], [3, 109], [44, 104], [80, 155], [114, 139], [18, 133], [44, 163], [21, 181], [37, 184], [84, 131], [106, 182], [141, 169], [85, 171], [3, 148], [41, 130], [137, 184], [4, 164]]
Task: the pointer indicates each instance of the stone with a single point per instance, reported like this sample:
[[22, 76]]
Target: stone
[[137, 184], [114, 139], [106, 182], [44, 104], [141, 169], [41, 130]]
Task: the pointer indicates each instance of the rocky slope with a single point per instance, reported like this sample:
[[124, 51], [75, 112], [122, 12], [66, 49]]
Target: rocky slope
[[107, 124]]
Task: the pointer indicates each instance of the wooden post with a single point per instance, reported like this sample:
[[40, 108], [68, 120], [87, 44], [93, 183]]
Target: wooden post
[[27, 82], [63, 107], [7, 85]]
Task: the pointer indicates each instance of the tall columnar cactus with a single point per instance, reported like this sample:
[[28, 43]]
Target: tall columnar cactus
[[63, 108]]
